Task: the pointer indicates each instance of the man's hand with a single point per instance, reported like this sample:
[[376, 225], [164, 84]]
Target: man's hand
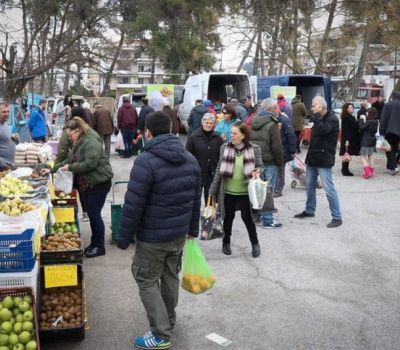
[[256, 173]]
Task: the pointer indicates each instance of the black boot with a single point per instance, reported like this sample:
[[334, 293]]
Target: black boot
[[345, 169]]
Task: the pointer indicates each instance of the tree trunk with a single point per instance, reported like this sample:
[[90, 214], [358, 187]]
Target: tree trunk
[[66, 81], [360, 70], [261, 52], [106, 87], [272, 64], [324, 42], [246, 53]]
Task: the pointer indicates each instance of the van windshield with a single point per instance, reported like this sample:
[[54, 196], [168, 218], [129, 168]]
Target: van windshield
[[223, 87]]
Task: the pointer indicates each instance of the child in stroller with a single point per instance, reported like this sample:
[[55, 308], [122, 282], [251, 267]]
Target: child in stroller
[[298, 171]]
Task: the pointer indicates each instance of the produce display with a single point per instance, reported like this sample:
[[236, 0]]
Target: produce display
[[62, 195], [67, 241], [4, 173], [61, 308], [17, 323], [13, 187], [63, 227], [15, 207], [197, 284]]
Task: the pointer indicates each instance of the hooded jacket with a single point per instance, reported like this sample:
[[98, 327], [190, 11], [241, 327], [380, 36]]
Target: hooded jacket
[[288, 137], [37, 123], [127, 117], [265, 133], [162, 202], [195, 117]]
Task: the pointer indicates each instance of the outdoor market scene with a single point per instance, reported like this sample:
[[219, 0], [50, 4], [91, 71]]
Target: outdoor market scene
[[199, 175]]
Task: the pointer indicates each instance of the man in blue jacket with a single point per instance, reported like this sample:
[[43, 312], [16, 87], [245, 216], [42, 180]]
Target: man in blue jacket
[[162, 209], [37, 123]]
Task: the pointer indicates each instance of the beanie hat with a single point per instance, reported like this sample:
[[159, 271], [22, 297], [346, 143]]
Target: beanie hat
[[207, 103]]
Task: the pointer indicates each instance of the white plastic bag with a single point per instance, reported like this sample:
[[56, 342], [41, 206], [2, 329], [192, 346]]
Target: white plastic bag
[[63, 181], [257, 192]]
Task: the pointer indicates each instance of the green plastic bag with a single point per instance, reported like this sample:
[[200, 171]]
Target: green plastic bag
[[197, 275]]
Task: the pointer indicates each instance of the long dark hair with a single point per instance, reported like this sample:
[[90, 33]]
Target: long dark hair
[[230, 109], [245, 130], [345, 113], [372, 113]]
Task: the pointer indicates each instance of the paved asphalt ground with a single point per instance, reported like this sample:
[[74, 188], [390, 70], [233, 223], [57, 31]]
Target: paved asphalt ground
[[311, 288]]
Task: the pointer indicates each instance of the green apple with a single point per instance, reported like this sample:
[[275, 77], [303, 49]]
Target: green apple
[[24, 306], [28, 299], [17, 300], [12, 320], [67, 228], [28, 315], [24, 337], [8, 302], [31, 345], [19, 318], [5, 314], [13, 339], [27, 326], [3, 347], [16, 311], [19, 347], [4, 339], [17, 327], [6, 327]]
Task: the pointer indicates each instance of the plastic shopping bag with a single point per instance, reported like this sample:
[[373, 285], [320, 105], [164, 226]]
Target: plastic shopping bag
[[257, 192], [63, 181], [211, 223], [197, 275], [382, 144]]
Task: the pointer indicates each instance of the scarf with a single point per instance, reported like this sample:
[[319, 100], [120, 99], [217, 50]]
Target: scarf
[[228, 160]]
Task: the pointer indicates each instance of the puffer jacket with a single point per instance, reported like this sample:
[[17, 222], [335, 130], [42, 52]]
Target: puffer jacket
[[162, 202], [324, 137]]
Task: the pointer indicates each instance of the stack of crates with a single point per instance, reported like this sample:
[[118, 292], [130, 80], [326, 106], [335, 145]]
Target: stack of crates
[[18, 265]]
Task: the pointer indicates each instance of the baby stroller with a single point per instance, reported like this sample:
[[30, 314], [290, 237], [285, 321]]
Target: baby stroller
[[298, 171]]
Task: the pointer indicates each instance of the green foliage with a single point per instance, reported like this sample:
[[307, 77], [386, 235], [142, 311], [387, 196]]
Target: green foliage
[[79, 90], [180, 33], [112, 94]]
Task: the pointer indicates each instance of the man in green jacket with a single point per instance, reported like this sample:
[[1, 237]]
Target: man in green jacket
[[266, 134]]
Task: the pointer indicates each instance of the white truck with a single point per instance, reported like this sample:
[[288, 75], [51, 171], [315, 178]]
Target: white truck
[[215, 86]]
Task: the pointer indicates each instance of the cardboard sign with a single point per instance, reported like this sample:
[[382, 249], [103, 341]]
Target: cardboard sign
[[60, 276], [288, 91]]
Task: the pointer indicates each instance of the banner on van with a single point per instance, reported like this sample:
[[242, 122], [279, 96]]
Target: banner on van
[[159, 95], [288, 91]]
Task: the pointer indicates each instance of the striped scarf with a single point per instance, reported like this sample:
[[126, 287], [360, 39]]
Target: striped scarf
[[228, 160]]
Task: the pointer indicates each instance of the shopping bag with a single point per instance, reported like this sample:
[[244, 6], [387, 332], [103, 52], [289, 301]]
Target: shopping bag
[[346, 156], [257, 192], [211, 223], [197, 275], [63, 181], [382, 144]]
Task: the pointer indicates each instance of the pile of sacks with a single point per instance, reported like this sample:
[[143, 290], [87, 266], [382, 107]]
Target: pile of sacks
[[32, 153]]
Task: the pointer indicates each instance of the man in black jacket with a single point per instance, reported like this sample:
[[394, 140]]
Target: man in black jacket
[[162, 208], [320, 159]]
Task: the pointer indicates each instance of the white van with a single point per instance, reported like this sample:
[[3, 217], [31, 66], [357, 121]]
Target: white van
[[217, 87]]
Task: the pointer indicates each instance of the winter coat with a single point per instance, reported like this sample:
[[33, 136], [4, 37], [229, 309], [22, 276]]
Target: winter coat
[[351, 133], [205, 148], [241, 112], [288, 138], [286, 108], [323, 141], [379, 107], [265, 133], [174, 119], [196, 114], [145, 110], [224, 128], [217, 188], [64, 148], [299, 114], [362, 111], [162, 202], [368, 130], [37, 123], [127, 117], [103, 122], [88, 117], [390, 118], [91, 160]]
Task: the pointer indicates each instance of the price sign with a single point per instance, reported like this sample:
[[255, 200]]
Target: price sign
[[60, 276], [64, 214]]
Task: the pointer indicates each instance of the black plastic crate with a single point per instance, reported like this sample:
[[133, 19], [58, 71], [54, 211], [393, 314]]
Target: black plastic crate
[[61, 256], [60, 335]]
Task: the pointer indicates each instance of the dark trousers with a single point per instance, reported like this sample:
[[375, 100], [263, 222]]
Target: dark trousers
[[82, 196], [95, 199], [393, 140], [206, 187], [39, 139], [243, 202], [297, 133], [128, 136]]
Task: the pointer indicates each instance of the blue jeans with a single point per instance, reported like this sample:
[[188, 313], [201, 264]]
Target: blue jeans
[[325, 175], [128, 136], [95, 199], [270, 174]]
